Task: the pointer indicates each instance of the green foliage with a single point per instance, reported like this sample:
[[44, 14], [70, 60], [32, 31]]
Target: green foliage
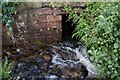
[[6, 69], [8, 10], [99, 27]]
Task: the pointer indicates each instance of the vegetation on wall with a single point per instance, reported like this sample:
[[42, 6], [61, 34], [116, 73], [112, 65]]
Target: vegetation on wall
[[8, 10], [99, 27]]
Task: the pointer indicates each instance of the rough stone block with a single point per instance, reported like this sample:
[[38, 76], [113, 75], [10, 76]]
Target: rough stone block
[[76, 5], [41, 26], [5, 39], [46, 33], [54, 18], [43, 18], [54, 25], [57, 11], [44, 11], [58, 37], [51, 39]]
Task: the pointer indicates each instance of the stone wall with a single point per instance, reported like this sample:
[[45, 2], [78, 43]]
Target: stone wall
[[6, 40], [40, 25]]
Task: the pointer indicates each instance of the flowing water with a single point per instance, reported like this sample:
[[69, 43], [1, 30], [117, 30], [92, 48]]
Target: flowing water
[[61, 60], [74, 55]]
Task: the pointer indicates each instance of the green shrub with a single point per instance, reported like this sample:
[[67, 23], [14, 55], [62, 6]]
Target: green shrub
[[99, 28], [8, 10], [6, 69]]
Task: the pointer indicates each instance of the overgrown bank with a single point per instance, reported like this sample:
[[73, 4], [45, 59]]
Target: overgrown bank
[[99, 28]]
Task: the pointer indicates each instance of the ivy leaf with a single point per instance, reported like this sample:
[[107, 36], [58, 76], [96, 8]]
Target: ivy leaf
[[115, 50], [116, 45], [108, 72], [113, 75]]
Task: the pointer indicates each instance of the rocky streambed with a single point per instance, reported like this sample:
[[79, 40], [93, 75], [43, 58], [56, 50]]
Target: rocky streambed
[[60, 61]]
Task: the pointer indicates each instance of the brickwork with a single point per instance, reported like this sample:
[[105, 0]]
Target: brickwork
[[6, 40], [42, 25]]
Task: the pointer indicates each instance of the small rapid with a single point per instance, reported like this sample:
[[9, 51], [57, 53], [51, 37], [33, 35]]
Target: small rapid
[[63, 60], [75, 55]]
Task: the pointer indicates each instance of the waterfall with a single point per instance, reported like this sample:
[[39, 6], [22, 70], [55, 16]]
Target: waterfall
[[81, 56]]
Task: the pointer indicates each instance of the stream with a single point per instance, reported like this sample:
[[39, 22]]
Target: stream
[[59, 61]]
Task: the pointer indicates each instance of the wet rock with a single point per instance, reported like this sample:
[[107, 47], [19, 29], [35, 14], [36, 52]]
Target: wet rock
[[35, 70], [25, 74], [24, 70], [36, 77], [84, 72], [51, 77], [56, 71], [66, 72], [36, 61], [72, 44], [71, 72], [20, 51], [74, 74], [56, 61], [40, 61], [47, 56]]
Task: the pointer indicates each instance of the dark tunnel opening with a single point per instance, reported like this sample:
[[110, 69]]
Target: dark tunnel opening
[[67, 27]]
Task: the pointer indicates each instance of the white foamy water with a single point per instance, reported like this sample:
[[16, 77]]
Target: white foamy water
[[81, 54]]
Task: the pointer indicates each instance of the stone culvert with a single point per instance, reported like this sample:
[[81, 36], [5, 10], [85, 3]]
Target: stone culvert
[[41, 25]]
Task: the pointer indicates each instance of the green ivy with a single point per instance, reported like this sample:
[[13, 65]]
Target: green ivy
[[8, 11], [99, 27]]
